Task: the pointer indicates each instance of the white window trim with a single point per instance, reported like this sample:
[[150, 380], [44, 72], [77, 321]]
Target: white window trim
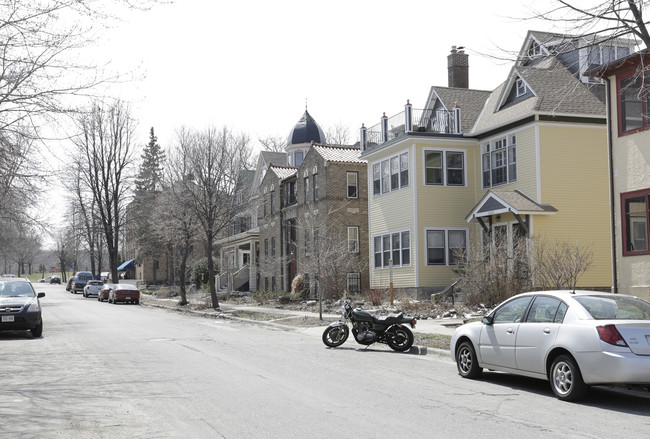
[[521, 87], [397, 155], [356, 240], [390, 234], [487, 147], [447, 250], [444, 166], [347, 184]]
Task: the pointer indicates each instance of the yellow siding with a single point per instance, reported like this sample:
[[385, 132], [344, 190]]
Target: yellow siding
[[574, 179]]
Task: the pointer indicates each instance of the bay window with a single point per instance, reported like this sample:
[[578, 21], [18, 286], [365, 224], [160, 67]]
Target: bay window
[[635, 224]]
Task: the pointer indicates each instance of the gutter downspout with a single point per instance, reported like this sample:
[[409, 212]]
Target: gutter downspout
[[611, 186]]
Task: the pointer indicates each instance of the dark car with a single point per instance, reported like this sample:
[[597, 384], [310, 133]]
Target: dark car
[[56, 279], [80, 279], [20, 308], [126, 293], [68, 287]]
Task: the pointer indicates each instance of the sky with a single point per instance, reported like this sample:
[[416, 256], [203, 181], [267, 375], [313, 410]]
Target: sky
[[254, 65]]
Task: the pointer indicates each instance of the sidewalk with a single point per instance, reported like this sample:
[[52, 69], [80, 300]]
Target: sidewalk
[[444, 326]]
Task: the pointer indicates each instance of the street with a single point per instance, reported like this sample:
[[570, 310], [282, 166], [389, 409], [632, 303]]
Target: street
[[111, 371]]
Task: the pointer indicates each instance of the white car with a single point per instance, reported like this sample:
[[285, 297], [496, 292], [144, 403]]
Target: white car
[[574, 339], [92, 288]]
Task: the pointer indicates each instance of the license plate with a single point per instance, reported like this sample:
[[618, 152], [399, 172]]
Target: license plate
[[128, 298], [7, 319]]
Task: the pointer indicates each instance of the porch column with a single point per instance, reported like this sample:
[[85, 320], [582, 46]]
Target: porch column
[[384, 128], [408, 117]]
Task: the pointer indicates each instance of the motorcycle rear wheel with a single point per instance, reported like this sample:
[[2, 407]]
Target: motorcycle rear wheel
[[335, 336], [400, 339]]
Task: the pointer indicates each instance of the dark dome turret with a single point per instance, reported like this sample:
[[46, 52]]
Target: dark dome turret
[[306, 131]]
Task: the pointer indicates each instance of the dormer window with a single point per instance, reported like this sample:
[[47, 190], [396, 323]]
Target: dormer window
[[522, 89], [601, 55], [534, 50]]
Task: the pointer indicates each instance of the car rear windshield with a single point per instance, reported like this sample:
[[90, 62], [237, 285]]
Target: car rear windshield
[[615, 307], [84, 277]]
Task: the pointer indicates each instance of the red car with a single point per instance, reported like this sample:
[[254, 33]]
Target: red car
[[103, 293], [126, 293]]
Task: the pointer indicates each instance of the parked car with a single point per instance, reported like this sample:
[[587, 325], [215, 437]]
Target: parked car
[[574, 339], [20, 308], [80, 279], [45, 280], [68, 287], [92, 288], [103, 292], [126, 293], [55, 279]]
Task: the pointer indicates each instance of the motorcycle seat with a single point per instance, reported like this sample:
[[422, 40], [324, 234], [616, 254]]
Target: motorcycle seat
[[390, 318]]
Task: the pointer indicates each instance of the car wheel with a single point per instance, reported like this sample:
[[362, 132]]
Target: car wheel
[[137, 302], [37, 331], [466, 361], [566, 379]]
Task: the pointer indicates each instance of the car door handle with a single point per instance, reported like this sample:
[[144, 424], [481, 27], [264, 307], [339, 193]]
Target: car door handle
[[510, 330], [547, 330]]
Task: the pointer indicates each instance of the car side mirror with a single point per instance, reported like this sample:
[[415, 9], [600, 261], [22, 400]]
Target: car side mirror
[[488, 320], [39, 295]]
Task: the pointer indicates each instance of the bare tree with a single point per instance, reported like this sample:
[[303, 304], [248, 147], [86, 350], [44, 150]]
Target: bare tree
[[105, 143], [560, 264], [600, 22], [338, 134], [213, 161], [273, 143]]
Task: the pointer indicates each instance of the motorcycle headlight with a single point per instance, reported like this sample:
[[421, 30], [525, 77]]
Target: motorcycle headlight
[[34, 306]]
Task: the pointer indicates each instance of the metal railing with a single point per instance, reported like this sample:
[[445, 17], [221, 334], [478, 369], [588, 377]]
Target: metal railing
[[411, 121]]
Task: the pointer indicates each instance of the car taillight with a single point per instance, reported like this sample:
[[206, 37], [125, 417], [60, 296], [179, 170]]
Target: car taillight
[[609, 334]]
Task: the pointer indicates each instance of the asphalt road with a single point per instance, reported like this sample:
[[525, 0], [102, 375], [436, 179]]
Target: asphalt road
[[115, 371]]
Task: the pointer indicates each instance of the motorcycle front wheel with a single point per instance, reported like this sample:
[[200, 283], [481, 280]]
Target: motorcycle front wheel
[[400, 339], [335, 336]]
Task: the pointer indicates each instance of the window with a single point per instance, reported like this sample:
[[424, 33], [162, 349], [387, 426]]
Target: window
[[545, 310], [273, 246], [395, 245], [273, 283], [266, 248], [298, 160], [499, 161], [291, 193], [353, 239], [444, 168], [534, 50], [635, 223], [265, 207], [315, 187], [354, 283], [512, 311], [353, 184], [522, 89], [376, 179], [390, 174], [306, 186], [272, 195], [633, 105], [446, 246]]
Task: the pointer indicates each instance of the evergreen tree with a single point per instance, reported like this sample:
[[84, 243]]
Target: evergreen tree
[[150, 175]]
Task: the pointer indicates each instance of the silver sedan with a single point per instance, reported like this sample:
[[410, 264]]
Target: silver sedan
[[573, 339]]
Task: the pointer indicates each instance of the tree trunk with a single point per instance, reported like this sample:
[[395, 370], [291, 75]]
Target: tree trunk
[[211, 280]]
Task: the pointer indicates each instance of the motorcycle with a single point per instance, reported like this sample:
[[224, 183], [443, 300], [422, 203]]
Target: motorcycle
[[368, 329]]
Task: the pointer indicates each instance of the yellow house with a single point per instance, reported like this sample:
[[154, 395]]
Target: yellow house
[[529, 157]]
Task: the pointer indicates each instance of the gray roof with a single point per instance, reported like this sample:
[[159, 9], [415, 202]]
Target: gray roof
[[501, 201], [470, 101], [276, 158], [556, 91], [339, 154]]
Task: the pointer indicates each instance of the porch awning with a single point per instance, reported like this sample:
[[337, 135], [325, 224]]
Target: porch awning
[[496, 202], [128, 265]]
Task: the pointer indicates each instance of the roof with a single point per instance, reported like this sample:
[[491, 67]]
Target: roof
[[339, 154], [470, 101], [283, 172], [306, 131], [556, 91], [128, 265], [271, 157], [501, 201]]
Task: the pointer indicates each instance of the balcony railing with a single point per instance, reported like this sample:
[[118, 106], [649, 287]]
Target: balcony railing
[[411, 121]]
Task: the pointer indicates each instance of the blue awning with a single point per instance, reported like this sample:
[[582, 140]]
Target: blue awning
[[128, 265]]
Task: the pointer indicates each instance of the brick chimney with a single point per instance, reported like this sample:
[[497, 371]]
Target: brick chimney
[[458, 68]]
